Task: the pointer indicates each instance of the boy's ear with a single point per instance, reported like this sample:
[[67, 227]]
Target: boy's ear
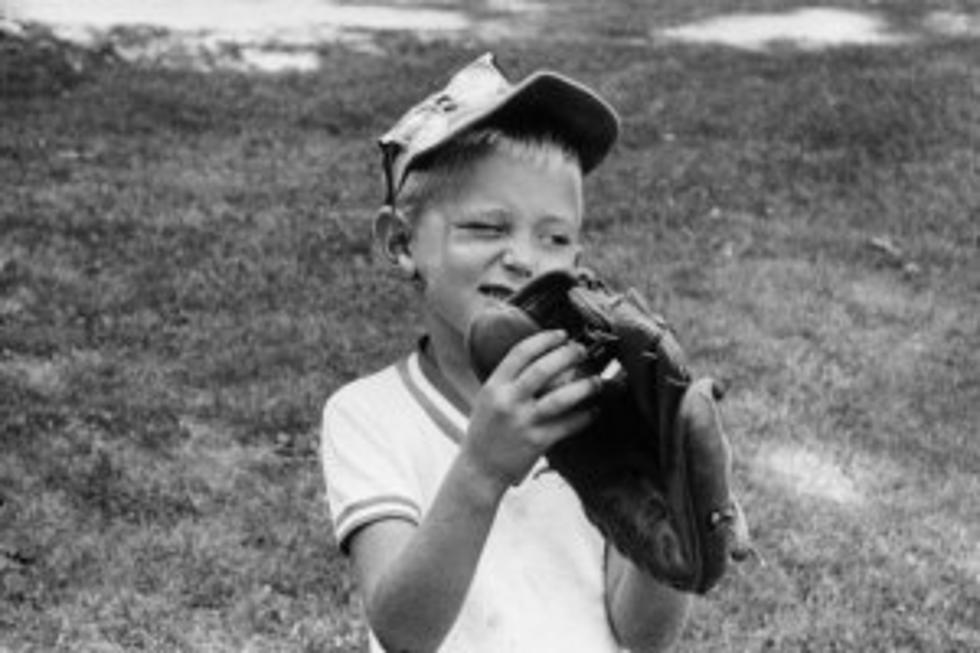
[[393, 234]]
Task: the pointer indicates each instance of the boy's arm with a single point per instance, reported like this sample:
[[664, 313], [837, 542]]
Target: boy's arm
[[415, 578], [646, 615]]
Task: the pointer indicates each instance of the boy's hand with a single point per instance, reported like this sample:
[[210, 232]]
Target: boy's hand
[[531, 401]]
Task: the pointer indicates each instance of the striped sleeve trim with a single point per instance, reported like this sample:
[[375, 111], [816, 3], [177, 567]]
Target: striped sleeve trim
[[427, 398], [361, 513]]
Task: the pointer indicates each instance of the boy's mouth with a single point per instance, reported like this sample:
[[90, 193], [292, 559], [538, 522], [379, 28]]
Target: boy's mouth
[[500, 293]]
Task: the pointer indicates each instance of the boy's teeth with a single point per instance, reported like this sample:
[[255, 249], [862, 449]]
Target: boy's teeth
[[498, 293]]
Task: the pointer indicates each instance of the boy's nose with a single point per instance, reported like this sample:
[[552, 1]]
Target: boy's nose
[[518, 261]]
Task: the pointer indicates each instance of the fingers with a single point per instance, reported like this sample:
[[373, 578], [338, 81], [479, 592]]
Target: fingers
[[528, 351], [567, 410], [536, 396], [567, 425], [552, 368], [568, 396], [544, 367], [539, 361]]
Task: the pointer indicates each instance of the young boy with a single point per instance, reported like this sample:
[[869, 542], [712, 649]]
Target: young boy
[[459, 539]]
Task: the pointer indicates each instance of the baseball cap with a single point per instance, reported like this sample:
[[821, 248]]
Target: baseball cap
[[479, 95]]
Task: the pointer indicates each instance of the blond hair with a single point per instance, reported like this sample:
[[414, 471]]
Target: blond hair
[[435, 177]]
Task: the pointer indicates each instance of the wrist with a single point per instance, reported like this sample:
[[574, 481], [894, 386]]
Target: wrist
[[483, 486]]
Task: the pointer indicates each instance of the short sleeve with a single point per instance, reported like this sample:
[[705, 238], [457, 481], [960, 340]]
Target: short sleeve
[[368, 476]]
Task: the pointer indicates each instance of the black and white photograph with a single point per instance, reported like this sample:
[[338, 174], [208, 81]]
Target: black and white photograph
[[489, 326]]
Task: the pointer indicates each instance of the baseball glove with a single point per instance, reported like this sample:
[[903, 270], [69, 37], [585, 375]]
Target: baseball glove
[[653, 470]]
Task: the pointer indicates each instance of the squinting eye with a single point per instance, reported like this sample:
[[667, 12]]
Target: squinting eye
[[483, 228], [560, 240]]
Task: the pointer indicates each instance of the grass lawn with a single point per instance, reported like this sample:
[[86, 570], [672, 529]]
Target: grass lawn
[[186, 274]]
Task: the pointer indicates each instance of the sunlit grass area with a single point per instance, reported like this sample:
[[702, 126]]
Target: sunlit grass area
[[186, 274]]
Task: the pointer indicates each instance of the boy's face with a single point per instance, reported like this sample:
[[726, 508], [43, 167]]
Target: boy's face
[[510, 219]]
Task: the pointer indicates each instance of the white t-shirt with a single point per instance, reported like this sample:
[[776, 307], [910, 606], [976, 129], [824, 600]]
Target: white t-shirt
[[388, 441]]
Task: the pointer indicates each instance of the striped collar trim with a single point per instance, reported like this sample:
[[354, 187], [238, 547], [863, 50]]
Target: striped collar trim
[[446, 415]]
